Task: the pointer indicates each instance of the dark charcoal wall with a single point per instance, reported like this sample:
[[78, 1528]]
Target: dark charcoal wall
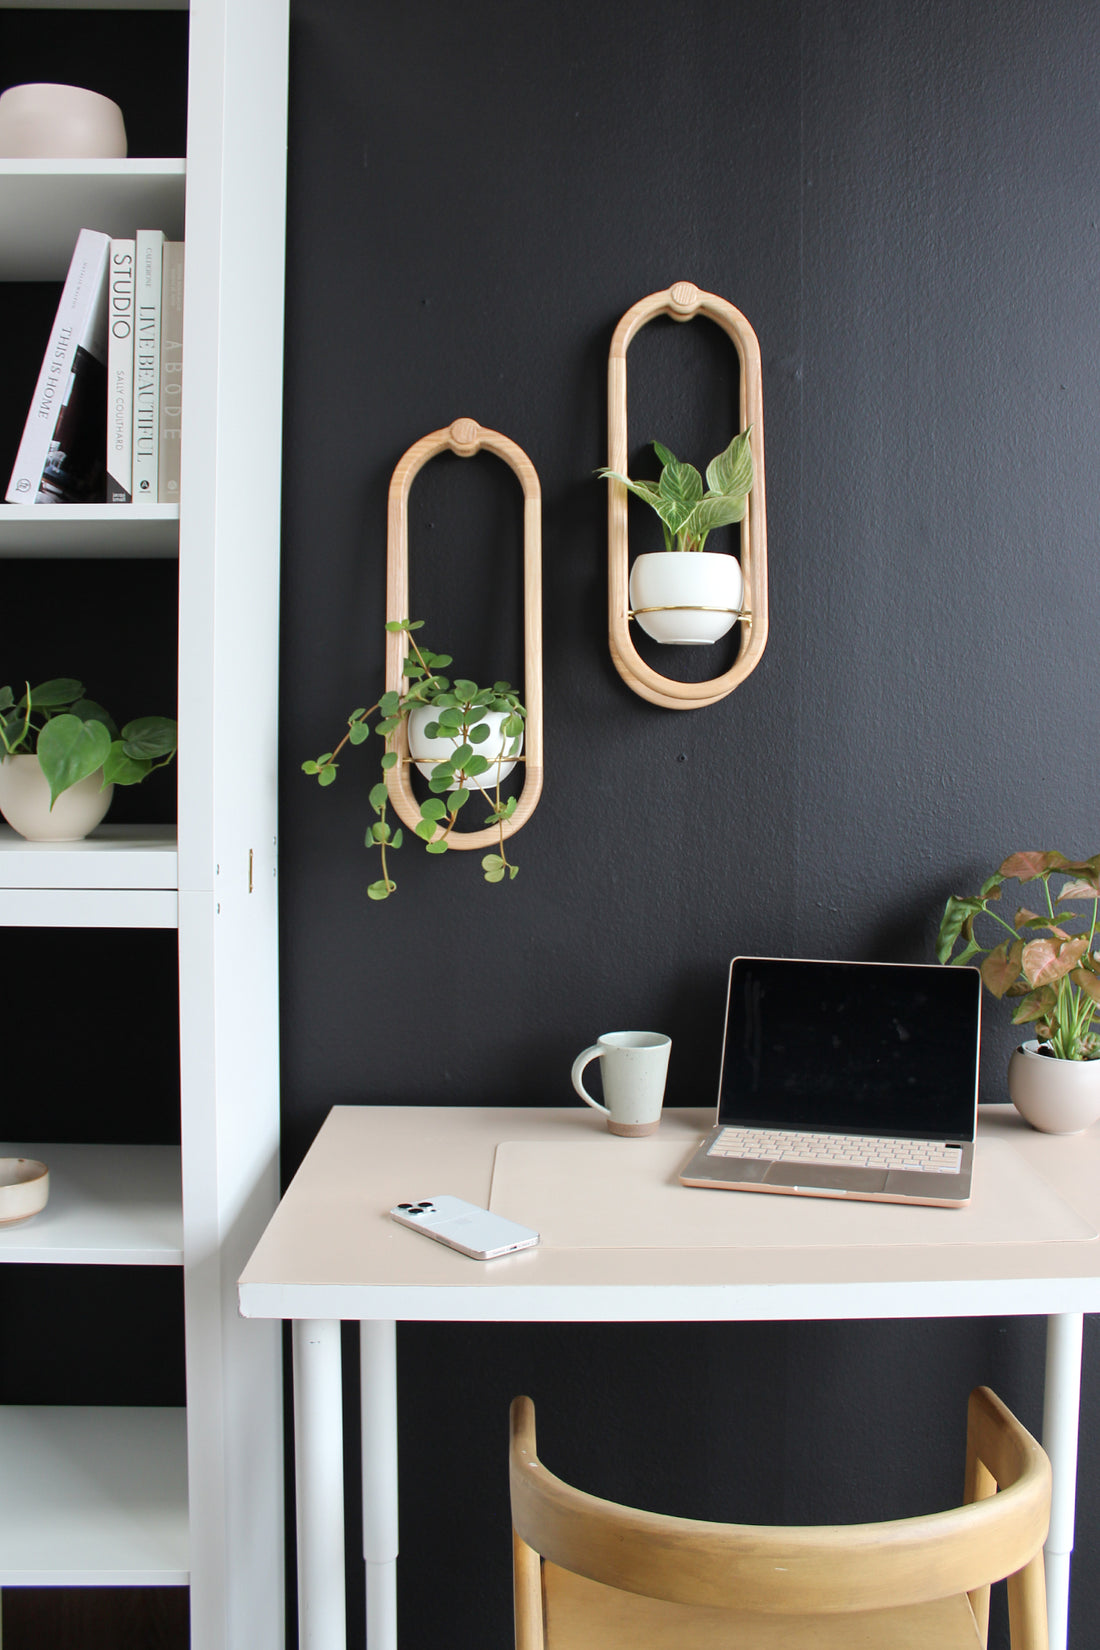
[[903, 200]]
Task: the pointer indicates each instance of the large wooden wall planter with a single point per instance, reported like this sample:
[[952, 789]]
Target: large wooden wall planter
[[465, 437], [683, 302]]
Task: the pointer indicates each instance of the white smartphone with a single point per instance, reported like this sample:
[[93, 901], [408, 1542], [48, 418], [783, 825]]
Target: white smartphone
[[465, 1227]]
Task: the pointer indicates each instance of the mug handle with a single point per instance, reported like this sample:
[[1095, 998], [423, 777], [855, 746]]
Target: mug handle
[[593, 1053]]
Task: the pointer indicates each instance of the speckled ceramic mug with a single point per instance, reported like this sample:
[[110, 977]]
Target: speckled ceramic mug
[[634, 1068]]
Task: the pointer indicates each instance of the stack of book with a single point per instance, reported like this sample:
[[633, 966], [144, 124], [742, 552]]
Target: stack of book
[[105, 423]]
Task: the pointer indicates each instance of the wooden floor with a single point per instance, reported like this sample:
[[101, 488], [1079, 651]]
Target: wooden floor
[[94, 1618]]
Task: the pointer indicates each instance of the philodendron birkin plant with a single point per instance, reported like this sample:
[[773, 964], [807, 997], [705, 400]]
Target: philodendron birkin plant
[[1043, 960], [691, 598], [688, 513], [73, 737], [466, 714]]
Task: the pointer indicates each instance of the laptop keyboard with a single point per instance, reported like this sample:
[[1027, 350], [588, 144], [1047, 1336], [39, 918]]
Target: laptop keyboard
[[847, 1151]]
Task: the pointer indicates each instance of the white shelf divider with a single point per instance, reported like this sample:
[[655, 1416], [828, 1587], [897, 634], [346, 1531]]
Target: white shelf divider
[[90, 531], [108, 1206], [97, 1497], [51, 200]]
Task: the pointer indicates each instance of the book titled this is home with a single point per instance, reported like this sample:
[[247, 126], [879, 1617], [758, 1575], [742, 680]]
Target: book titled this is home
[[120, 372], [61, 457], [147, 308]]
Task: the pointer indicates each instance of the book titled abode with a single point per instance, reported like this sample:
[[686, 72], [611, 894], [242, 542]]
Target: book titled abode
[[171, 373], [61, 457]]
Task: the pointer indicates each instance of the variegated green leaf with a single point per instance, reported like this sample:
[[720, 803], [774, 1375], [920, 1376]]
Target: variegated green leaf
[[712, 512], [731, 471]]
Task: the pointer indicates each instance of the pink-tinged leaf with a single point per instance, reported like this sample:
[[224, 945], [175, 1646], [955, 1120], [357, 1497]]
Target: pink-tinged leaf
[[1026, 866], [1032, 1007], [1079, 890], [1048, 960], [1088, 982], [1028, 919], [1001, 968]]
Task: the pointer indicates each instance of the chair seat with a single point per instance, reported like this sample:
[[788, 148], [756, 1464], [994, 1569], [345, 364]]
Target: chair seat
[[585, 1615]]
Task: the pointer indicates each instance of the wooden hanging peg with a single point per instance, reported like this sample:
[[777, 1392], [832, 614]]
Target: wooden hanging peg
[[466, 437], [683, 302]]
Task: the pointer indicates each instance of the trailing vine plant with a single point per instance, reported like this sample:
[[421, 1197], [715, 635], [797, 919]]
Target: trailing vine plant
[[462, 708]]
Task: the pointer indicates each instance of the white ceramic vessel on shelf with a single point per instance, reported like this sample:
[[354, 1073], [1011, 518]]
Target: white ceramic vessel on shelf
[[1055, 1096], [24, 1188], [426, 753], [42, 121], [25, 802], [686, 598]]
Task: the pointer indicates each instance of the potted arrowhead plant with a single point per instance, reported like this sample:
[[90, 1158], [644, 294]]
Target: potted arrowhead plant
[[684, 594], [61, 757], [1044, 961], [463, 738]]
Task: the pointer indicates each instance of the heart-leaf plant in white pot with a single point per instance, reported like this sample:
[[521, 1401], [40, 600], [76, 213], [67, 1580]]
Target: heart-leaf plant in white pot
[[465, 739], [1044, 961], [684, 594], [61, 756]]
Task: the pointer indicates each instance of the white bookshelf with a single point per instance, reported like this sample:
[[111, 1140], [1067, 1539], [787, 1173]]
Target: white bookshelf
[[155, 1496], [97, 1497]]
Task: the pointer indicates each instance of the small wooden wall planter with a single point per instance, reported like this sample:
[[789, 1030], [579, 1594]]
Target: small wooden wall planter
[[683, 302], [465, 437]]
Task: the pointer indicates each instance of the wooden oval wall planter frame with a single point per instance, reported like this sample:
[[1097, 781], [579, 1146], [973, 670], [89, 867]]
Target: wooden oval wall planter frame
[[466, 437], [683, 302]]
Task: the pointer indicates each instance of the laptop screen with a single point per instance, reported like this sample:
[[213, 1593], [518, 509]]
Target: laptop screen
[[854, 1048]]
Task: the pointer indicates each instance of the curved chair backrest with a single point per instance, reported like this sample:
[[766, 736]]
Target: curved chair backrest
[[836, 1569]]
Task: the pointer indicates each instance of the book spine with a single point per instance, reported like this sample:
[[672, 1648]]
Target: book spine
[[82, 299], [149, 253], [120, 373], [171, 373]]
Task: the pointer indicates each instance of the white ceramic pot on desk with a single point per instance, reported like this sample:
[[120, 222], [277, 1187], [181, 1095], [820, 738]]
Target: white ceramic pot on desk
[[1055, 1096]]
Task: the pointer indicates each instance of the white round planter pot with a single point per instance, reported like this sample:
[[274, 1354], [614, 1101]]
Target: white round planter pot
[[25, 802], [1056, 1096], [427, 752], [696, 595], [46, 122]]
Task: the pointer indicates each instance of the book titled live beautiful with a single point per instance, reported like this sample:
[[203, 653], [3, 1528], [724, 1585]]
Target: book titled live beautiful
[[171, 373], [61, 458], [147, 302]]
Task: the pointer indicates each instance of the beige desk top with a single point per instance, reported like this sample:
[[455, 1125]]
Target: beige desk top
[[331, 1251]]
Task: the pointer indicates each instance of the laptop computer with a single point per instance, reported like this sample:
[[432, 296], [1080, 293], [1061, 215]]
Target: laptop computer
[[846, 1079]]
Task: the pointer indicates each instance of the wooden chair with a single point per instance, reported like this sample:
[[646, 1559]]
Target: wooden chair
[[592, 1575]]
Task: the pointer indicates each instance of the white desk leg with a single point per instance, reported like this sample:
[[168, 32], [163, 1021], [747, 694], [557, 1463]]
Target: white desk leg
[[1061, 1408], [319, 1485], [378, 1398]]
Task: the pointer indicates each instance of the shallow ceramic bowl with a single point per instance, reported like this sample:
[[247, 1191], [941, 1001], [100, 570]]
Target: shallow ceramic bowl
[[24, 1188]]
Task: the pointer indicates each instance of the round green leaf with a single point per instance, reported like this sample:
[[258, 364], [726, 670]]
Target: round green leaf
[[380, 890], [150, 736], [436, 848]]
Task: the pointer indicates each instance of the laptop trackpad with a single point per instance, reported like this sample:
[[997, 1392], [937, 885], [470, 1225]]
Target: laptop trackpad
[[811, 1175]]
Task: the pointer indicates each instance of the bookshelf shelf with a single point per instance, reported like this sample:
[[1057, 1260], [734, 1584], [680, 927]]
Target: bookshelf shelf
[[108, 1206], [99, 1497], [43, 203], [90, 530]]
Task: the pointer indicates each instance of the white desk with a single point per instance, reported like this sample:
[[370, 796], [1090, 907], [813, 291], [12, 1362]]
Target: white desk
[[331, 1253]]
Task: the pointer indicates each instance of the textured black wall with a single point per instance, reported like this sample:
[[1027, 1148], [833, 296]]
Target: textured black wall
[[903, 201]]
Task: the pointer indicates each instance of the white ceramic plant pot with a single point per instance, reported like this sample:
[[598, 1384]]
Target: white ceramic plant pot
[[696, 595], [45, 122], [25, 802], [426, 753], [1056, 1096]]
